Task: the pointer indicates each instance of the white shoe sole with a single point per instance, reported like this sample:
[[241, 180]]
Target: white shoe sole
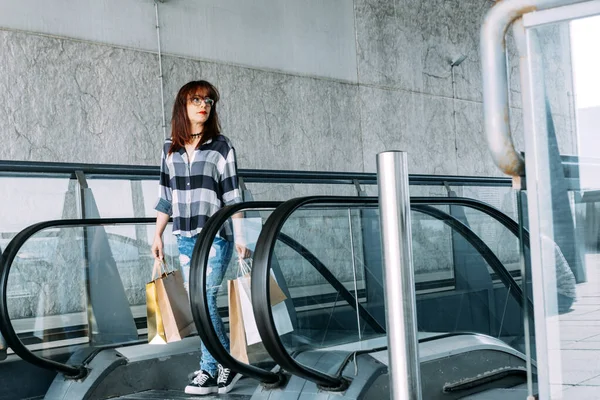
[[201, 391], [227, 389]]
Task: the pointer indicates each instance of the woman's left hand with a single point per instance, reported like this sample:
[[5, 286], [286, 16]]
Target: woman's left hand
[[243, 251]]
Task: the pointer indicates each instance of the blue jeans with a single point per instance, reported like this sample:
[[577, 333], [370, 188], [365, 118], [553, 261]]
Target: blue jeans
[[218, 259]]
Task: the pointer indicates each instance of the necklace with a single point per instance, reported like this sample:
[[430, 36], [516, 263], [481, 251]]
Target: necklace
[[195, 135]]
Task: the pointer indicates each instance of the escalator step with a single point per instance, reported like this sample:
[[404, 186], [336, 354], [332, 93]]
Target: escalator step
[[177, 395]]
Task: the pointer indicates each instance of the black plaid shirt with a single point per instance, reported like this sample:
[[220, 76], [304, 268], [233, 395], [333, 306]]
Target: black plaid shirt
[[192, 192]]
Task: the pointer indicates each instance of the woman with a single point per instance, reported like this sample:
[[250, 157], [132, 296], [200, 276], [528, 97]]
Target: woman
[[198, 176]]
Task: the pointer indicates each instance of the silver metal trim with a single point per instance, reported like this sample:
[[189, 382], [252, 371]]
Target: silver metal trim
[[521, 43], [495, 78], [400, 299], [354, 274], [538, 184], [562, 14], [160, 71]]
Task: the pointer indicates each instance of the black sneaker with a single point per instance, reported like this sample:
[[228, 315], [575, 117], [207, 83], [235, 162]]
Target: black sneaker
[[192, 375], [201, 384], [227, 379]]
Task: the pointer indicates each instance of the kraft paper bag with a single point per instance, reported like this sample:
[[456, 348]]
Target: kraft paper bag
[[156, 330], [174, 306], [242, 321], [281, 316], [239, 348], [167, 307]]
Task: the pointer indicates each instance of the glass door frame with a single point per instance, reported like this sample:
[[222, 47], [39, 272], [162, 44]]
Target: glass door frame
[[538, 181]]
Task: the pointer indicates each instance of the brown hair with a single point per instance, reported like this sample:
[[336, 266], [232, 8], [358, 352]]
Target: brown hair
[[180, 123]]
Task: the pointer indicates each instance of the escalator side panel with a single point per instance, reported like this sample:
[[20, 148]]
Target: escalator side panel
[[22, 380], [436, 374], [131, 369], [369, 370], [101, 366]]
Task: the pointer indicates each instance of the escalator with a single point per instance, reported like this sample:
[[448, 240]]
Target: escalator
[[338, 344], [339, 334]]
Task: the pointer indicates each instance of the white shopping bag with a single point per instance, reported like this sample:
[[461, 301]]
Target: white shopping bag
[[281, 316]]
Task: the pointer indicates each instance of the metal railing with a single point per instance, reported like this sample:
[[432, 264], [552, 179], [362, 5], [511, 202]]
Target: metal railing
[[495, 78]]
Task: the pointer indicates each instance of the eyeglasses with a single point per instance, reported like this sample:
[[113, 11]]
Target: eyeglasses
[[196, 100]]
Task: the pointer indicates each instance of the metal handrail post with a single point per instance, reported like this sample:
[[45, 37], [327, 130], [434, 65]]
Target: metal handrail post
[[495, 78], [400, 299]]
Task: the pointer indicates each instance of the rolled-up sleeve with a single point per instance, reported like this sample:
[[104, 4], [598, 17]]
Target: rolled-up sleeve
[[229, 180], [165, 195]]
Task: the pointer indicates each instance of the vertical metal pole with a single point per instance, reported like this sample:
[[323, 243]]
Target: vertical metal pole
[[160, 73], [525, 289], [400, 300]]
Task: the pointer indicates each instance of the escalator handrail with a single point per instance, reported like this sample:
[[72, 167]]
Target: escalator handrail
[[478, 205], [6, 259], [198, 295], [264, 251], [483, 249], [199, 301]]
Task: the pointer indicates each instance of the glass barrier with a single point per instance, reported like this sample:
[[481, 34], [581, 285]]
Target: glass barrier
[[124, 198], [565, 98], [73, 286], [458, 290], [27, 200]]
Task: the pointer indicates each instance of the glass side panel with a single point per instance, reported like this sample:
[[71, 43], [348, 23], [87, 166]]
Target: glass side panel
[[457, 290], [563, 207], [122, 198], [325, 316], [500, 197], [27, 200], [503, 242], [51, 285]]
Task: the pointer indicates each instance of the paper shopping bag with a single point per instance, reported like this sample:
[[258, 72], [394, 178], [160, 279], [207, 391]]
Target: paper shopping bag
[[167, 307], [281, 316], [239, 348], [156, 330], [275, 293], [174, 306], [237, 336]]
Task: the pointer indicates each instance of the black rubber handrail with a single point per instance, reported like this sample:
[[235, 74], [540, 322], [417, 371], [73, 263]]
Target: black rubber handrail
[[505, 220], [6, 260], [483, 249], [199, 301], [198, 295], [264, 251]]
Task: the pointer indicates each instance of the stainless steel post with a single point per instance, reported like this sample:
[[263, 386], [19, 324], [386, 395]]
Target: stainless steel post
[[400, 300]]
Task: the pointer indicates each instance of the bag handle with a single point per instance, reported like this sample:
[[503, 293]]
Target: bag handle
[[160, 267], [245, 266]]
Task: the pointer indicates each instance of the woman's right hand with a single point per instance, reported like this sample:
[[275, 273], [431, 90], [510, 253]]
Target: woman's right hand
[[157, 248]]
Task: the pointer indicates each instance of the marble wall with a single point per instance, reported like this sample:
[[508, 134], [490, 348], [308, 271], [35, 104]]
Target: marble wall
[[69, 100]]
